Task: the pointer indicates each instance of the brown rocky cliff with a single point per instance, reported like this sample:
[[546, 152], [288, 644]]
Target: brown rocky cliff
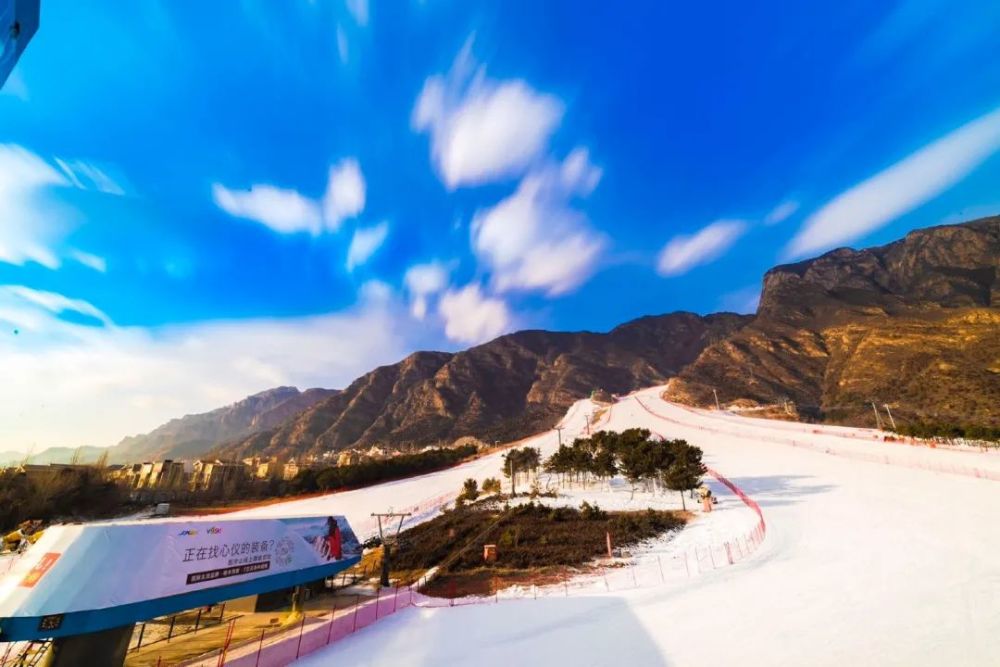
[[915, 324], [508, 388]]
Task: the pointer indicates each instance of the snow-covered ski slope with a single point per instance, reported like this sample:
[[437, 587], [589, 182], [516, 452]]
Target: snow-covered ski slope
[[864, 563], [424, 494]]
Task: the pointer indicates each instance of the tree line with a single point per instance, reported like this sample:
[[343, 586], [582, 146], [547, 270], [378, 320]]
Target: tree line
[[949, 431], [85, 492], [67, 493], [634, 454], [373, 472]]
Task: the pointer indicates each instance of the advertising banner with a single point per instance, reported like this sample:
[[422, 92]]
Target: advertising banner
[[87, 567]]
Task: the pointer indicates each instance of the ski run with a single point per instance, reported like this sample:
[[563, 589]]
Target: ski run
[[875, 553]]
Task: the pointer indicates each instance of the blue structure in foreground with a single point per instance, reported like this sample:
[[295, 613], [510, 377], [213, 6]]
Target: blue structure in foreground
[[18, 24], [83, 622], [87, 578]]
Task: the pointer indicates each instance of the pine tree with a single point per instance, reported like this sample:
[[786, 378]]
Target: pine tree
[[686, 468]]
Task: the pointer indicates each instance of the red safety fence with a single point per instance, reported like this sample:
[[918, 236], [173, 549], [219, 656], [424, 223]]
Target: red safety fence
[[313, 634], [885, 457]]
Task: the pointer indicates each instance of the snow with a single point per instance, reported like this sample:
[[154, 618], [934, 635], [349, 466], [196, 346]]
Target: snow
[[424, 494], [869, 559]]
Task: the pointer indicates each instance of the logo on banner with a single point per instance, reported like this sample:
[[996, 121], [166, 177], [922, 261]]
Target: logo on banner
[[283, 551], [41, 567]]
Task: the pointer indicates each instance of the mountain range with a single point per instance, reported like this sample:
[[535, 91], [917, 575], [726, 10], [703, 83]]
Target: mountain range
[[913, 326]]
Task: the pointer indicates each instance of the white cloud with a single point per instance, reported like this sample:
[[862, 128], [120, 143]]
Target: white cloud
[[345, 193], [32, 222], [70, 384], [534, 239], [471, 317], [483, 130], [424, 280], [899, 189], [20, 306], [342, 45], [287, 211], [359, 10], [781, 212], [88, 176], [684, 252], [364, 243], [89, 260], [284, 211]]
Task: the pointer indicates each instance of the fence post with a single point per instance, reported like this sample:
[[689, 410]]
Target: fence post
[[138, 645], [378, 599], [357, 603], [301, 630], [260, 647], [225, 646], [170, 632], [395, 599], [197, 620], [687, 567], [660, 563]]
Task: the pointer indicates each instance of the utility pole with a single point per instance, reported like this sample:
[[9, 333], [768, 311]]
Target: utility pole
[[510, 469], [888, 412], [716, 394], [878, 420], [382, 534]]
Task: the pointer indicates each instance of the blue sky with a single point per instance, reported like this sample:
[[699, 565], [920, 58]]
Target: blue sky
[[202, 200]]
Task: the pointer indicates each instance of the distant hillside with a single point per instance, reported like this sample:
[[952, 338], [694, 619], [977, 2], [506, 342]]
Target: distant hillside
[[194, 435], [507, 388], [53, 455], [914, 324]]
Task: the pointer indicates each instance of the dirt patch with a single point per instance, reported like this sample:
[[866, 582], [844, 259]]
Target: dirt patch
[[487, 581], [531, 544]]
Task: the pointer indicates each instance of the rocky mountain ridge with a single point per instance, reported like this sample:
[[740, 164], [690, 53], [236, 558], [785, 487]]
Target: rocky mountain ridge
[[914, 324]]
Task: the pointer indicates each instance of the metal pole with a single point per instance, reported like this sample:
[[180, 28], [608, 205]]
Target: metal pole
[[891, 420], [260, 647], [510, 467], [878, 420], [716, 394], [301, 630]]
